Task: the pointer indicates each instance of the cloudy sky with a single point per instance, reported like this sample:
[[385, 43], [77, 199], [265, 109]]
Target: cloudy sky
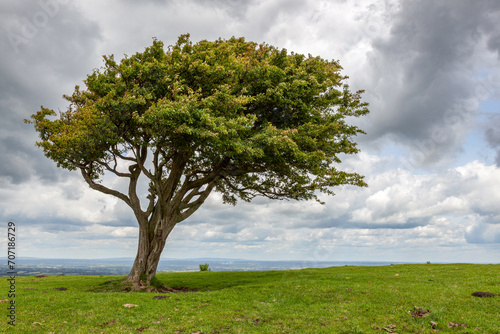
[[431, 155]]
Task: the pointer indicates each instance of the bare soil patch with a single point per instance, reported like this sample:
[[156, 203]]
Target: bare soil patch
[[483, 294]]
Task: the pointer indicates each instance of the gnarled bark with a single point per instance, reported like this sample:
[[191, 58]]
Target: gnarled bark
[[152, 239]]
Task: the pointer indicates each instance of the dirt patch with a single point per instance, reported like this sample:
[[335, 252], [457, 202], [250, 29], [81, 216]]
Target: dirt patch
[[389, 328], [160, 297], [40, 276], [455, 325], [420, 312], [483, 294], [61, 289], [257, 321]]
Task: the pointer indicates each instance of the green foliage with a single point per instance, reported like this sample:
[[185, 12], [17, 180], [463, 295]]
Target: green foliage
[[204, 267], [248, 119], [331, 300]]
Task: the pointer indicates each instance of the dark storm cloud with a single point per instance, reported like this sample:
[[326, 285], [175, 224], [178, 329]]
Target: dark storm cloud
[[22, 162], [236, 8], [423, 74], [44, 47], [345, 221], [493, 136], [490, 25], [483, 234], [57, 225]]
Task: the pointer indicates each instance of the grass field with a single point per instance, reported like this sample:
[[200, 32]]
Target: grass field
[[332, 300]]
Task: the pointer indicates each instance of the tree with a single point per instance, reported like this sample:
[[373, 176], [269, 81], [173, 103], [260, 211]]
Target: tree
[[236, 117]]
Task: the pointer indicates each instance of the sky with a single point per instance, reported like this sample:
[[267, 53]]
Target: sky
[[431, 153]]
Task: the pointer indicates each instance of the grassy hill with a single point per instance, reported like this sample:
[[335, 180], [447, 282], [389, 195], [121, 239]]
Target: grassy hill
[[414, 298]]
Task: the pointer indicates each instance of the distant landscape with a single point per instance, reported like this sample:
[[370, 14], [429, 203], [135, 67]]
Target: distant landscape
[[121, 266]]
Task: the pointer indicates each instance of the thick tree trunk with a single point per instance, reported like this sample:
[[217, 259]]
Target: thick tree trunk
[[164, 216], [152, 239]]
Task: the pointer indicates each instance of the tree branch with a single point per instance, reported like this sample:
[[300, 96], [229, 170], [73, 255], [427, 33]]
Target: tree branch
[[176, 172], [132, 188], [119, 155], [113, 170], [193, 206], [135, 172], [193, 193], [140, 162], [152, 196], [104, 189]]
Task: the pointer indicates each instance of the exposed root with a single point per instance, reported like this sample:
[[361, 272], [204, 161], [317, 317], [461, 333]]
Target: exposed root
[[125, 285]]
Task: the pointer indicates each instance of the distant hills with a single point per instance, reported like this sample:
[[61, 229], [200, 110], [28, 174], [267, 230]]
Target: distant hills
[[28, 266]]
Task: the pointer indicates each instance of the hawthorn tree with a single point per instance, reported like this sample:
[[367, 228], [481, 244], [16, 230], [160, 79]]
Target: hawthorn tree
[[236, 117]]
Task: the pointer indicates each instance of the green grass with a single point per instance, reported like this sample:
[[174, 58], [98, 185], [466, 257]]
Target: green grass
[[331, 300]]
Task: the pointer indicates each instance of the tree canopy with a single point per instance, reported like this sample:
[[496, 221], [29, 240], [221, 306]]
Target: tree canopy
[[232, 116]]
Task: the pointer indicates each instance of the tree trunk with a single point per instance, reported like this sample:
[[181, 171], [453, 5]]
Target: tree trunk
[[152, 239]]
